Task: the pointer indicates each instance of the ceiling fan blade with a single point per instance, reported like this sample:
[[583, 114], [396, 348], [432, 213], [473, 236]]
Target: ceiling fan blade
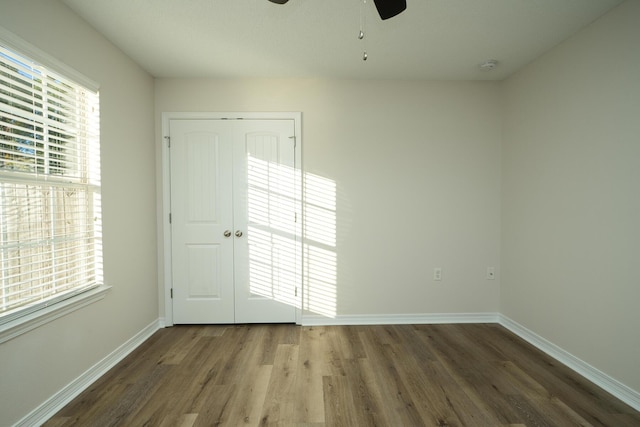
[[389, 8], [279, 1]]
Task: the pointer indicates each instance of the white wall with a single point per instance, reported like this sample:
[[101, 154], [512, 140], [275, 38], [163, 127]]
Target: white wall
[[571, 198], [417, 171], [38, 364]]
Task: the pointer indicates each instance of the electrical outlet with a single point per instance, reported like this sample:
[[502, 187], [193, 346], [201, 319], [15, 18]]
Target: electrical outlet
[[491, 273], [437, 274]]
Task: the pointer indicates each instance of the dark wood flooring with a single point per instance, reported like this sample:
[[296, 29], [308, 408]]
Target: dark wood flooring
[[287, 375]]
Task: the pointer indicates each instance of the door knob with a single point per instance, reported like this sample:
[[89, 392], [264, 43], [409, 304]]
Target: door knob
[[238, 233], [227, 233]]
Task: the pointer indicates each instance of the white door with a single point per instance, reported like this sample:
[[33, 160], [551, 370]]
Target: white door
[[267, 263], [235, 257], [201, 222]]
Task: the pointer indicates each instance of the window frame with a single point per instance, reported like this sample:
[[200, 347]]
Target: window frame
[[32, 316]]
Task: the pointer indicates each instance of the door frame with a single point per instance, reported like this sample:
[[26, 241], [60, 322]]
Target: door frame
[[165, 273]]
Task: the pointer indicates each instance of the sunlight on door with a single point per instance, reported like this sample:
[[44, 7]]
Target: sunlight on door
[[274, 238], [273, 252]]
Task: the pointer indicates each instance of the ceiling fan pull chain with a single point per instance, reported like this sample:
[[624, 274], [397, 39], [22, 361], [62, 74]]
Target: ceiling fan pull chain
[[363, 23]]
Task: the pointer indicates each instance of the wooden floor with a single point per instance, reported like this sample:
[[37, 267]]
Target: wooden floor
[[286, 375]]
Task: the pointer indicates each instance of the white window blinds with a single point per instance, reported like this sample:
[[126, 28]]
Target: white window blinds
[[50, 213]]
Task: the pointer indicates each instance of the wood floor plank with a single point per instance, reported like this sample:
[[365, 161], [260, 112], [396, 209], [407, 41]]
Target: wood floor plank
[[447, 395], [591, 402], [276, 335], [333, 352], [414, 343], [251, 395], [279, 406], [135, 397], [214, 411], [482, 379], [443, 389], [309, 405], [347, 342], [381, 375], [187, 420], [426, 394], [107, 389], [555, 409], [58, 421], [340, 408], [183, 345], [250, 377], [368, 401], [625, 420], [188, 388], [212, 330], [236, 355], [461, 363], [398, 401]]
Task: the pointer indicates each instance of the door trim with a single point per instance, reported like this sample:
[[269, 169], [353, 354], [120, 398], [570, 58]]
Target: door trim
[[164, 205]]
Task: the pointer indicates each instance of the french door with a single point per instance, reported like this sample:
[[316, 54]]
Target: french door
[[235, 251]]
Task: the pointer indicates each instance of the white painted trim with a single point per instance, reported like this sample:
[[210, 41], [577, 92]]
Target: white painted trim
[[599, 378], [38, 318], [399, 319], [24, 48], [56, 402], [164, 268]]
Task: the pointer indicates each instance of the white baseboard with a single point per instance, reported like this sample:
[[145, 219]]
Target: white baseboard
[[162, 323], [599, 378], [56, 402], [398, 319]]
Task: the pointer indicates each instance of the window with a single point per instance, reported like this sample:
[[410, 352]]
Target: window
[[50, 213]]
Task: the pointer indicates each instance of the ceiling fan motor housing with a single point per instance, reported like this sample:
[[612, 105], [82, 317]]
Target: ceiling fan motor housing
[[390, 8], [386, 8]]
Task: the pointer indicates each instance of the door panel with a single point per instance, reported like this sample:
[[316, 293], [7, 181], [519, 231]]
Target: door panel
[[266, 272], [203, 262], [201, 210]]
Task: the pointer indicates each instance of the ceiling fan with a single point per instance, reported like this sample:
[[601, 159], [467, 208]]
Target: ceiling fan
[[386, 8]]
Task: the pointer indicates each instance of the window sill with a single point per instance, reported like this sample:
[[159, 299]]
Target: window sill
[[31, 321]]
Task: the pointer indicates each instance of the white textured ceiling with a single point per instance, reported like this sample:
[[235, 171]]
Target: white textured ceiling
[[432, 39]]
